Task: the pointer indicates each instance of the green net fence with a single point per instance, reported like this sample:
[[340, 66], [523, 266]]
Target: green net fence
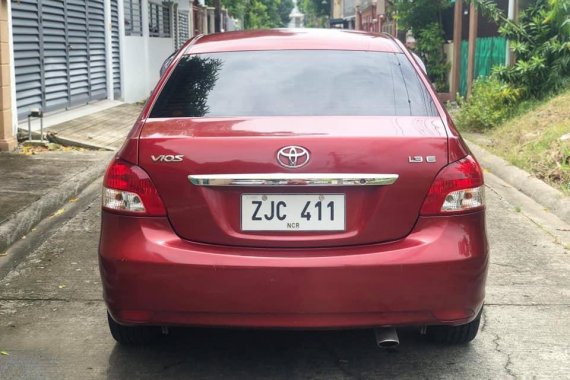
[[489, 52]]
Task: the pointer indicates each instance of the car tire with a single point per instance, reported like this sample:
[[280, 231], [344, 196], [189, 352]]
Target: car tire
[[461, 334], [133, 335]]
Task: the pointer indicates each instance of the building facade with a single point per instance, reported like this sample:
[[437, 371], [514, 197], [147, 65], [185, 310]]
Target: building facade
[[366, 15], [61, 54], [7, 139], [296, 18]]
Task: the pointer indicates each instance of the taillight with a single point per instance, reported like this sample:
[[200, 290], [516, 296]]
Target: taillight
[[128, 189], [457, 188]]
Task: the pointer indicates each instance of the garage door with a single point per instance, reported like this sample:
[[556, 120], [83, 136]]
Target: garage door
[[59, 53]]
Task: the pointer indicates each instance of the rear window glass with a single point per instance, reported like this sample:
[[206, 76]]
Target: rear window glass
[[293, 83]]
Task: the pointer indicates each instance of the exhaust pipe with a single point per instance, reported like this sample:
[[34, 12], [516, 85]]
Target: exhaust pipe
[[386, 337]]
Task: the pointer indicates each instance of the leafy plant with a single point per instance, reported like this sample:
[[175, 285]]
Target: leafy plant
[[315, 11], [430, 46], [419, 14], [424, 17], [491, 103], [258, 14], [540, 39]]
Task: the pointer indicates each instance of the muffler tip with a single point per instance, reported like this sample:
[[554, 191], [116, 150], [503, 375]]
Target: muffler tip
[[388, 344], [386, 337]]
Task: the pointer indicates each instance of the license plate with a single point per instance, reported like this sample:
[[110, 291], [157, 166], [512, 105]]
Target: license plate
[[293, 212]]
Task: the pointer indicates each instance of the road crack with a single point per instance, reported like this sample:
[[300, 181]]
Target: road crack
[[338, 362], [497, 343], [508, 364], [505, 265]]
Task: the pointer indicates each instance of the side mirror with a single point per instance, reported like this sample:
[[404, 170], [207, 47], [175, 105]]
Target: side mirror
[[167, 63]]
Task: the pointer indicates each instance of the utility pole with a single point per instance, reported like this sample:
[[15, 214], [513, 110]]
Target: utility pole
[[457, 28], [473, 26], [218, 16], [512, 15]]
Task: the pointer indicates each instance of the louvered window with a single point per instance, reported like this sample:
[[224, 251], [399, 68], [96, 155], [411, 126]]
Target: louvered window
[[159, 19], [133, 17], [59, 53], [182, 29], [115, 48]]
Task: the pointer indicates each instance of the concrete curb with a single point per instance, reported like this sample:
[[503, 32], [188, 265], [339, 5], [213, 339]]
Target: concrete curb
[[21, 248], [77, 143], [23, 221], [553, 200], [61, 140]]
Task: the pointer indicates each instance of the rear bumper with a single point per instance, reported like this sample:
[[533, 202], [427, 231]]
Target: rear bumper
[[434, 276]]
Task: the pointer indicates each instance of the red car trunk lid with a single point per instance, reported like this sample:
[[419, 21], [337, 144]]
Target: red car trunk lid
[[172, 149]]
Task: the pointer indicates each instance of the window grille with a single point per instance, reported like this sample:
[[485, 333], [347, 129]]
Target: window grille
[[182, 27], [159, 19], [133, 17]]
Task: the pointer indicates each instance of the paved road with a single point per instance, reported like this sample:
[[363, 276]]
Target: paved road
[[52, 318]]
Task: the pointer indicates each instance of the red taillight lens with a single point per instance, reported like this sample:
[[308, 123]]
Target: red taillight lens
[[128, 188], [457, 188]]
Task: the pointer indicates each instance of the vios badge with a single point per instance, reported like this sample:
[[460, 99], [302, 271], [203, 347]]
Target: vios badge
[[167, 158]]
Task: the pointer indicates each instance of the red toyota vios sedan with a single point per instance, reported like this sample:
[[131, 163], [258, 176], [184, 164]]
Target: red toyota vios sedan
[[294, 179]]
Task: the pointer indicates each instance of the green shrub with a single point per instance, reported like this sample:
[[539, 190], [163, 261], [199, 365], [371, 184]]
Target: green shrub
[[424, 18], [540, 40], [430, 47], [491, 103]]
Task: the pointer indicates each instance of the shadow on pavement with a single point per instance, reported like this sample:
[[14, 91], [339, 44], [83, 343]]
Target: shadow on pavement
[[218, 353]]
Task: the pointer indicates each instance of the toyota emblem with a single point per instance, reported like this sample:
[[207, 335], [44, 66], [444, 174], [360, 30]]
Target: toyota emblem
[[293, 156]]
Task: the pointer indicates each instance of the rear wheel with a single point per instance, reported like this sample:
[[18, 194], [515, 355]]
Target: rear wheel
[[133, 335], [455, 334]]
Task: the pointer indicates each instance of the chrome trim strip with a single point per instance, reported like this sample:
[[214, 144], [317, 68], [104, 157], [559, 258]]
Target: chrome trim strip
[[293, 179]]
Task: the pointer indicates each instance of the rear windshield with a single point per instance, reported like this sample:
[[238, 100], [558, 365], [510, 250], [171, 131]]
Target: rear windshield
[[293, 83]]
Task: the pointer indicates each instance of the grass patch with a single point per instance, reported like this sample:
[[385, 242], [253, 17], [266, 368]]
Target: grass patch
[[532, 140]]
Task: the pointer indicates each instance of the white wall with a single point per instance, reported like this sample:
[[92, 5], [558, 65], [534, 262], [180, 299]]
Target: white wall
[[142, 70], [159, 49], [135, 69], [142, 59], [184, 4]]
